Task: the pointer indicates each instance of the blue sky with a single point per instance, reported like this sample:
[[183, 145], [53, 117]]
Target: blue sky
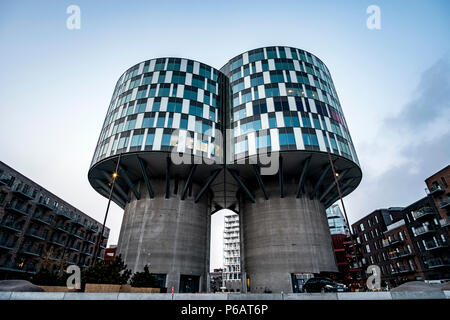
[[393, 83]]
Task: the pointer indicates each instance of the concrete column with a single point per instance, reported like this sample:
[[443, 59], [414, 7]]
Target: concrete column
[[284, 236], [169, 235]]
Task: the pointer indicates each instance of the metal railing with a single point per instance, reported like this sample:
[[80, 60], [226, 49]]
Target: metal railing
[[422, 212]]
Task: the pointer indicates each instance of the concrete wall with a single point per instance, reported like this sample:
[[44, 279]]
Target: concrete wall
[[170, 235], [418, 295], [283, 236]]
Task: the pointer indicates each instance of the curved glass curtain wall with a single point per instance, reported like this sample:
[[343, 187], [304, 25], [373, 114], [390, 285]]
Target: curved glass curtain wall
[[156, 97], [284, 99]]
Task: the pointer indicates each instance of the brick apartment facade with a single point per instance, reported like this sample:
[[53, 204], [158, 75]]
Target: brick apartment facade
[[40, 230]]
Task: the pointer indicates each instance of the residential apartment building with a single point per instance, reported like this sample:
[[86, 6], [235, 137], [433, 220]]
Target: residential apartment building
[[438, 189], [40, 230], [231, 254], [369, 233]]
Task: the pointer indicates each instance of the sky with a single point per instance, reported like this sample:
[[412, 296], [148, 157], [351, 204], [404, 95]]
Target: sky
[[393, 83]]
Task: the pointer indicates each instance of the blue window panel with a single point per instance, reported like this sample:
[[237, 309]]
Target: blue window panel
[[291, 139], [310, 139], [238, 87], [236, 64], [199, 83], [165, 139], [198, 126], [148, 122], [160, 122], [131, 124], [283, 139], [152, 92], [316, 123], [137, 140], [236, 101], [247, 97], [256, 56], [162, 78], [236, 116], [257, 125], [242, 113], [272, 122], [235, 76], [306, 122], [246, 71], [206, 98], [257, 81], [130, 110], [169, 122], [205, 128], [265, 66], [213, 101], [156, 105], [163, 92], [159, 66], [183, 124], [190, 94], [212, 115], [272, 92], [263, 141], [178, 78], [271, 53], [123, 142], [256, 94], [275, 78], [333, 143], [147, 79], [141, 94], [205, 72], [141, 107]]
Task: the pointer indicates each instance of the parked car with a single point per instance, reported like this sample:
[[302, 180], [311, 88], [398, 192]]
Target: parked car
[[320, 284]]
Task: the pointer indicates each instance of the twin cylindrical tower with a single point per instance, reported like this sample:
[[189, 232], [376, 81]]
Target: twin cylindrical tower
[[265, 137]]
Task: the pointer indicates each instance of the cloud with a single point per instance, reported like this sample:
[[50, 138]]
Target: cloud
[[409, 146]]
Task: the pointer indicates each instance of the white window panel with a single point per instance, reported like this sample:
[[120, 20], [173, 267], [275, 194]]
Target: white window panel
[[155, 77], [266, 77], [249, 109], [299, 139], [296, 66], [188, 80], [274, 140], [258, 66], [191, 123], [139, 120], [264, 121], [151, 67], [280, 119], [196, 68], [164, 102], [271, 64], [183, 65], [245, 58], [205, 111], [168, 76], [321, 141], [292, 105], [270, 105], [158, 139], [185, 106]]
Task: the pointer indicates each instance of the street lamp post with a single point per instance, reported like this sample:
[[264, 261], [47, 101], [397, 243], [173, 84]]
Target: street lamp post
[[100, 236]]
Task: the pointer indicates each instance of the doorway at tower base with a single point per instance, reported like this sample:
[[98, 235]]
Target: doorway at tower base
[[284, 236], [171, 236]]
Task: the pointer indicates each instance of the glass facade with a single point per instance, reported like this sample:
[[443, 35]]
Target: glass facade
[[289, 93], [156, 97]]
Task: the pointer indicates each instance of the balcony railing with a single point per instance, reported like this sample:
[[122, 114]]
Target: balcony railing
[[16, 267], [444, 204], [45, 205], [10, 226], [35, 235], [435, 245], [438, 262], [25, 194], [444, 222], [400, 254], [425, 211], [402, 269], [58, 243], [42, 220], [31, 252], [425, 229], [16, 208], [392, 242], [7, 245], [435, 189]]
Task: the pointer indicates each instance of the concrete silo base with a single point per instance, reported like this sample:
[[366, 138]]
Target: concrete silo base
[[170, 235], [283, 237]]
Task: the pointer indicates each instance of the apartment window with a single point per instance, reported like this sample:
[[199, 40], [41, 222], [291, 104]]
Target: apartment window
[[367, 248], [361, 227]]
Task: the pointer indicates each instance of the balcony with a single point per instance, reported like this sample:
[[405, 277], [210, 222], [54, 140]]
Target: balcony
[[24, 194], [45, 205], [10, 226], [12, 266], [35, 235], [392, 242], [400, 255], [86, 253], [31, 252], [5, 181], [15, 209], [63, 214], [89, 241], [56, 242], [402, 270], [78, 222], [63, 229], [444, 204], [41, 219], [435, 190], [435, 245], [74, 249], [424, 230], [438, 263], [7, 245], [423, 212], [444, 222]]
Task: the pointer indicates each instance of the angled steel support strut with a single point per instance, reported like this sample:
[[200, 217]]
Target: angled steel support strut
[[188, 181], [239, 181], [319, 182], [129, 182], [143, 167], [303, 176], [260, 182], [207, 184]]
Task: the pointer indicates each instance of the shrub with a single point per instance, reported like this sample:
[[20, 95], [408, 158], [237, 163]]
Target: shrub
[[144, 279], [115, 272]]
